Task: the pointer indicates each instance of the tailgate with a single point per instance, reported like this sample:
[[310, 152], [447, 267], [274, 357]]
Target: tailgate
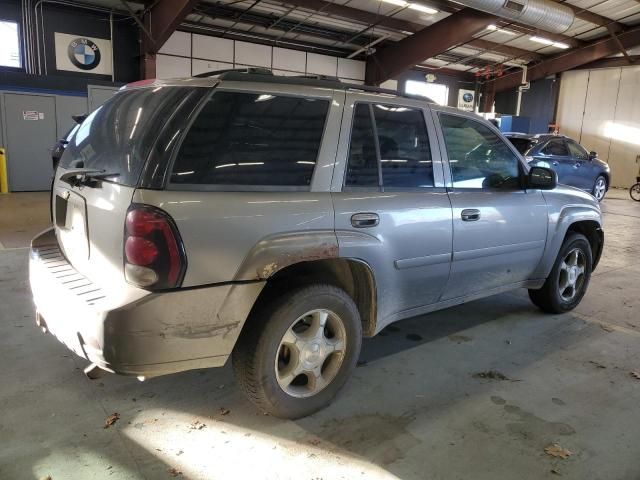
[[89, 225]]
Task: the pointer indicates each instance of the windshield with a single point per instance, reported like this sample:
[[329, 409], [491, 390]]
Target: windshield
[[118, 136], [522, 144]]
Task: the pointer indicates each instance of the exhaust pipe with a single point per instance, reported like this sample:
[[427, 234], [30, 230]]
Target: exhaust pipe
[[93, 372], [41, 323]]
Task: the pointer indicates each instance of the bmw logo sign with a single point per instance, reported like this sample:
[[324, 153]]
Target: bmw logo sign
[[467, 97], [84, 54]]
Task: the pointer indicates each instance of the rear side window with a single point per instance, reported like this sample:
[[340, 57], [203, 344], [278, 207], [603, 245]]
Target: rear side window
[[405, 155], [118, 136], [362, 169], [247, 139], [389, 143]]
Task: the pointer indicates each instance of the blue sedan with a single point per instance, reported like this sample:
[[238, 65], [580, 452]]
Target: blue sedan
[[573, 164]]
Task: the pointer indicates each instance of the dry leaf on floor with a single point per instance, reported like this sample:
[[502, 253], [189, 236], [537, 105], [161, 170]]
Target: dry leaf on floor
[[607, 328], [224, 411], [174, 472], [555, 471], [111, 419], [556, 450], [197, 425], [491, 374], [598, 365], [635, 375]]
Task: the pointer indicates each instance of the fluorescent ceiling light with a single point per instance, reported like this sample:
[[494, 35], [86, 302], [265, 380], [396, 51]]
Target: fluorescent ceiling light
[[551, 43], [400, 3], [422, 8], [413, 6], [495, 28], [544, 41]]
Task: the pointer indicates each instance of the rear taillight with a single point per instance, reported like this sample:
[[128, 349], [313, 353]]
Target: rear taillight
[[153, 252]]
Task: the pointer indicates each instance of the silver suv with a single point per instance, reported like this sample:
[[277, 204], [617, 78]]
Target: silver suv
[[278, 220]]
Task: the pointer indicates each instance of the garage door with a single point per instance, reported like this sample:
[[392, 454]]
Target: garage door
[[31, 133]]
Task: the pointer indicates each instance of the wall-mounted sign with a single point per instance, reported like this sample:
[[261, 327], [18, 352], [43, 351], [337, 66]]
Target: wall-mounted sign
[[32, 115], [83, 54], [466, 99]]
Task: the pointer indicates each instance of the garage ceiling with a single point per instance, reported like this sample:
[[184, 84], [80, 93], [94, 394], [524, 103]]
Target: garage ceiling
[[358, 28]]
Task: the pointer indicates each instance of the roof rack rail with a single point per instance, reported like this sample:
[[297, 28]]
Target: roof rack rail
[[386, 91], [253, 70], [314, 76], [320, 80]]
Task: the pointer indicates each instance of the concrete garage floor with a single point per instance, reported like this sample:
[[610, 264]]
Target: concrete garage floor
[[413, 409]]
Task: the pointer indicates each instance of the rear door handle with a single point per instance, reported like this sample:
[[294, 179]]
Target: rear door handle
[[365, 220], [470, 215]]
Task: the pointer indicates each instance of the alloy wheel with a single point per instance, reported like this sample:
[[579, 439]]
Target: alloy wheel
[[572, 274], [600, 188], [310, 353]]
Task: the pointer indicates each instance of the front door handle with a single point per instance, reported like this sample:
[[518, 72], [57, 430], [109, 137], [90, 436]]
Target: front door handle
[[470, 215], [365, 220]]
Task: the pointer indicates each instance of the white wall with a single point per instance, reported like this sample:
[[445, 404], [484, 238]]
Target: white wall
[[187, 54], [601, 109]]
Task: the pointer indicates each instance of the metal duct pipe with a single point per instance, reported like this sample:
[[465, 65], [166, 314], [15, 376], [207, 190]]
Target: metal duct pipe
[[543, 14]]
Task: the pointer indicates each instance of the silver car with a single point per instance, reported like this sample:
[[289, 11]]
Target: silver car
[[278, 220]]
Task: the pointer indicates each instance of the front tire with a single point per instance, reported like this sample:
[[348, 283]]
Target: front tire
[[297, 352], [634, 192], [568, 281], [600, 188]]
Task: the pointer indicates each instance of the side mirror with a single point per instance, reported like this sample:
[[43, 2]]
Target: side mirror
[[542, 178], [593, 155]]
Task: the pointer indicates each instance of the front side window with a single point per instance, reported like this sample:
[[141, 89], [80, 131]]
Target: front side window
[[556, 147], [400, 157], [523, 145], [577, 151], [252, 139], [478, 158]]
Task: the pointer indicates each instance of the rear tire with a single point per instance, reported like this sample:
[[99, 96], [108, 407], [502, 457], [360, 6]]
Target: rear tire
[[634, 192], [298, 350], [600, 188], [569, 278]]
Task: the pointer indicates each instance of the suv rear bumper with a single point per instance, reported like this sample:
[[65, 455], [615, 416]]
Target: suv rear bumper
[[130, 331]]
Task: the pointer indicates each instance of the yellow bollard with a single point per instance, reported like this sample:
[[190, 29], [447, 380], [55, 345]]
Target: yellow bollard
[[4, 181]]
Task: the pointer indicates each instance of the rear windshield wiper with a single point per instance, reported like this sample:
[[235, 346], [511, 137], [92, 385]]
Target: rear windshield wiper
[[85, 176]]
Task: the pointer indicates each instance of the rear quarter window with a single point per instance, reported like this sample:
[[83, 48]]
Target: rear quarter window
[[252, 140], [118, 136]]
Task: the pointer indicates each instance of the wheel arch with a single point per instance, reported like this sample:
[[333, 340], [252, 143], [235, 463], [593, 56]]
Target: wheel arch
[[354, 276], [582, 218], [594, 234]]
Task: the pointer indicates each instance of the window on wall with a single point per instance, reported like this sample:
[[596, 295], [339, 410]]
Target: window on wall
[[9, 44], [437, 92]]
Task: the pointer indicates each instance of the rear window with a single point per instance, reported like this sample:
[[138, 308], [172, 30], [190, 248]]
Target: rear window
[[118, 136], [246, 139], [522, 144]]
